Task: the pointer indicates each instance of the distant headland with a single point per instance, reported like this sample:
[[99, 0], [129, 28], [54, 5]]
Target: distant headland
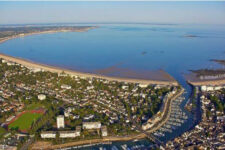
[[7, 33]]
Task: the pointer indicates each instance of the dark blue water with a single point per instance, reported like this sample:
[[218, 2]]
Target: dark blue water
[[173, 48]]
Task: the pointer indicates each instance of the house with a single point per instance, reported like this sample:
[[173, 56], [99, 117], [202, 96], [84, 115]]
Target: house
[[143, 85], [7, 147], [125, 87], [41, 97], [10, 118], [35, 70], [208, 88], [78, 130], [146, 126], [90, 87], [104, 131], [91, 125], [48, 134], [89, 117], [64, 86]]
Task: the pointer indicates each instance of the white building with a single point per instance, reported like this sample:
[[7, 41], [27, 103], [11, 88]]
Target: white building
[[64, 86], [205, 88], [104, 131], [35, 70], [89, 117], [78, 130], [10, 118], [90, 87], [91, 125], [60, 122], [125, 87], [41, 97], [68, 134], [146, 126], [48, 134], [143, 85]]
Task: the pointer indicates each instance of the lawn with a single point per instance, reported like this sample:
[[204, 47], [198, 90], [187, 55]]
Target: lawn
[[25, 120]]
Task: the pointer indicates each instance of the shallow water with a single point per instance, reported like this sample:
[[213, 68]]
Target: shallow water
[[173, 48]]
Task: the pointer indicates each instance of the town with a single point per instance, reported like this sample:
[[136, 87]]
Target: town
[[40, 105], [209, 133]]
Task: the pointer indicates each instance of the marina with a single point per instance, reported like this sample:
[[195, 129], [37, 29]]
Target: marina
[[176, 119]]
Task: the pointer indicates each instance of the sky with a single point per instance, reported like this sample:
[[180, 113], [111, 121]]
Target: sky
[[112, 12]]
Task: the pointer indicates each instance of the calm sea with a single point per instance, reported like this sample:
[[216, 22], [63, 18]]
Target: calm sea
[[140, 47]]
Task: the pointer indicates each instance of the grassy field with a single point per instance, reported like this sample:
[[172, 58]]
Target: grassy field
[[24, 121]]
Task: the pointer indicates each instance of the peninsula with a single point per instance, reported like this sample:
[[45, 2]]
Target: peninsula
[[7, 33]]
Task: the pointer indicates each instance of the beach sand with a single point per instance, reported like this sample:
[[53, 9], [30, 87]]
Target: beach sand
[[207, 82], [58, 70], [195, 81]]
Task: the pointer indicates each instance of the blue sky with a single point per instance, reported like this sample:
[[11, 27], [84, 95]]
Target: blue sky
[[109, 12]]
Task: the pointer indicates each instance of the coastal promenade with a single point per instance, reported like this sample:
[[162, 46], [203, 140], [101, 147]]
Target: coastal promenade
[[34, 65]]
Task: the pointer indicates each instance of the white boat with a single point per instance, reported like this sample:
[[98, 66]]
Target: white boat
[[114, 148], [124, 147]]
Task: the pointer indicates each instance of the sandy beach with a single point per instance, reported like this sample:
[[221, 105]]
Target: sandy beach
[[207, 82], [195, 81], [58, 70]]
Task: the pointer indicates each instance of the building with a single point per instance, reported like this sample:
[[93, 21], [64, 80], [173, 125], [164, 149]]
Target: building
[[104, 131], [7, 147], [60, 122], [78, 130], [143, 85], [48, 134], [64, 86], [125, 87], [91, 125], [35, 70], [10, 118], [68, 134], [146, 126], [41, 97]]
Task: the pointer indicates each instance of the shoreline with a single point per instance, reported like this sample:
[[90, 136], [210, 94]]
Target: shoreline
[[34, 65], [2, 40], [207, 82]]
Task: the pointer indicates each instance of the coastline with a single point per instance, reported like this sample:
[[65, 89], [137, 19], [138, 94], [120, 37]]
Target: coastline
[[31, 64], [45, 32], [59, 70], [207, 82]]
